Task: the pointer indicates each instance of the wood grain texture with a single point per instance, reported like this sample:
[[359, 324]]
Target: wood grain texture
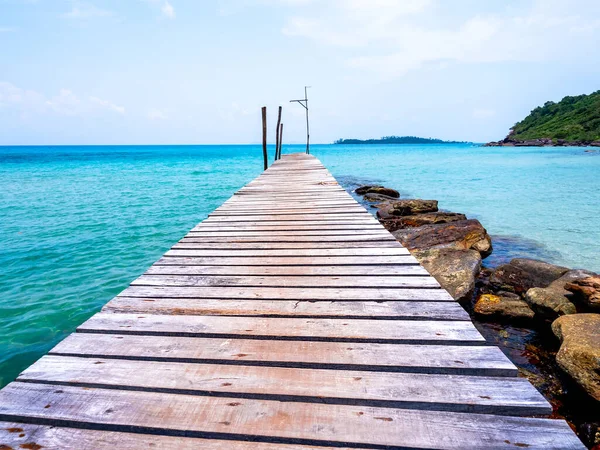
[[290, 293], [507, 396], [364, 270], [453, 359], [15, 436], [287, 421], [355, 330], [289, 281], [289, 308]]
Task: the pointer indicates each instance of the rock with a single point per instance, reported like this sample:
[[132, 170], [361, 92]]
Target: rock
[[388, 192], [522, 274], [393, 223], [509, 306], [460, 235], [409, 207], [549, 303], [579, 354], [587, 290], [381, 190], [454, 269], [378, 198], [555, 301], [362, 190]]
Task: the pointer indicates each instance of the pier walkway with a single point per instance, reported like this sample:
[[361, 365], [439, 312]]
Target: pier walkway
[[289, 319]]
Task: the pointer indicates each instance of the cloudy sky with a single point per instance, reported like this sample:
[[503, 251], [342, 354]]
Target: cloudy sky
[[192, 72]]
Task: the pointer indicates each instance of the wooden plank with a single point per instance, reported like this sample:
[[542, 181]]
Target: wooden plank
[[291, 223], [15, 435], [288, 260], [374, 239], [229, 244], [289, 293], [355, 330], [286, 308], [507, 396], [382, 270], [371, 251], [442, 359], [290, 422], [264, 231], [288, 281], [337, 217], [312, 211]]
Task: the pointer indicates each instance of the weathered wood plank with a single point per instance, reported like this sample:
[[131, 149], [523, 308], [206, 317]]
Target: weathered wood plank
[[289, 293], [292, 422], [304, 211], [375, 238], [442, 359], [288, 260], [508, 396], [229, 244], [288, 281], [382, 270], [370, 251], [264, 231], [337, 217], [288, 308], [355, 330], [15, 435]]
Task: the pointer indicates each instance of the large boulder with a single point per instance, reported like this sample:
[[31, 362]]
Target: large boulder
[[554, 300], [455, 270], [393, 223], [506, 306], [579, 354], [381, 190], [587, 290], [408, 207], [522, 274], [459, 235]]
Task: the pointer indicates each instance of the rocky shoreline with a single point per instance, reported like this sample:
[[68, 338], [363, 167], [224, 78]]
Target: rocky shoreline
[[546, 318], [541, 142]]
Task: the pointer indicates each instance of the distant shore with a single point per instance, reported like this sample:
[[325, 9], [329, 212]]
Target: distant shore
[[542, 142]]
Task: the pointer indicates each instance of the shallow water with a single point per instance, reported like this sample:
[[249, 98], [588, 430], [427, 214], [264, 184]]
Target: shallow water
[[79, 223]]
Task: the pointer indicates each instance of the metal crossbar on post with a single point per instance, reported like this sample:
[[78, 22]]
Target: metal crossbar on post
[[304, 103]]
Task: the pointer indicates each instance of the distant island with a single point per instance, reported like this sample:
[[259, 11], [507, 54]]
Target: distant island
[[574, 121], [397, 140]]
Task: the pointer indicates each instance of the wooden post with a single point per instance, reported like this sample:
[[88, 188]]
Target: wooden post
[[277, 135], [264, 136], [280, 139]]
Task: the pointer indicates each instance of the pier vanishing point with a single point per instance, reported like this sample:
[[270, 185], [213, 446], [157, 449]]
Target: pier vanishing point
[[288, 319]]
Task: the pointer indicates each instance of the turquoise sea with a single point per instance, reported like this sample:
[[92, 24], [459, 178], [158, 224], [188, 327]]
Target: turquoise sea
[[79, 223]]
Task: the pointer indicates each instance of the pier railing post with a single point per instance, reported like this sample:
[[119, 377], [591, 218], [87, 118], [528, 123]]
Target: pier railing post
[[264, 136], [277, 156], [280, 139]]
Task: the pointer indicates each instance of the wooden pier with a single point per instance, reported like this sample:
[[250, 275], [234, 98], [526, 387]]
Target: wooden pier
[[289, 319]]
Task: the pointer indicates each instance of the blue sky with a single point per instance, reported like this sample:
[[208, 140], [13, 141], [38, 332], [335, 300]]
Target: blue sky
[[198, 71]]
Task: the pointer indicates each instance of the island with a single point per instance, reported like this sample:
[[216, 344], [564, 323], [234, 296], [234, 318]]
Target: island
[[397, 140], [574, 121]]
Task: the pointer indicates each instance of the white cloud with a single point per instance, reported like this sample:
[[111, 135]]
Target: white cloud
[[392, 37], [7, 29], [108, 105], [28, 102], [84, 11], [157, 114], [66, 103], [168, 10]]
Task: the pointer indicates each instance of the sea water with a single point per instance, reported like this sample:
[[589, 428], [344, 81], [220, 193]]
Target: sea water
[[78, 224]]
